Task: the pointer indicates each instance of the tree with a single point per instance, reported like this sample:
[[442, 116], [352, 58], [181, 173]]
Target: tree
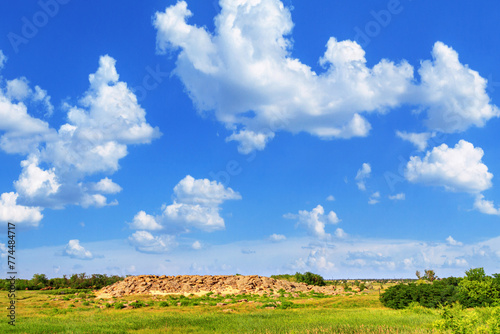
[[476, 274], [430, 275], [419, 275]]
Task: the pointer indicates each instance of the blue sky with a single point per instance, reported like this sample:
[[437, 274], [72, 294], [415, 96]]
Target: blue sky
[[347, 138]]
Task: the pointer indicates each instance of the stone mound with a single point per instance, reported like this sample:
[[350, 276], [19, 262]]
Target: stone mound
[[200, 285]]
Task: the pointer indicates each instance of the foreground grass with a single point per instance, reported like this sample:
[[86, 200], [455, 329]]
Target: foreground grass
[[38, 312]]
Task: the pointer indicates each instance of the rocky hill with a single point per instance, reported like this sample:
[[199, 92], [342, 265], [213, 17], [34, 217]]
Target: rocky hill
[[198, 285]]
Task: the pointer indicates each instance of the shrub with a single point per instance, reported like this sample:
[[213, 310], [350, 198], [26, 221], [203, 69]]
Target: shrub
[[310, 278], [477, 289], [459, 320], [117, 306]]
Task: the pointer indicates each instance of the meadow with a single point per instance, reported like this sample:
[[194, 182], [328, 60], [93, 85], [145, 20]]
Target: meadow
[[79, 311]]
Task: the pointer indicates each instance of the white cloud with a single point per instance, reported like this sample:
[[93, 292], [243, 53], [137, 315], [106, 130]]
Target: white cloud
[[96, 200], [332, 218], [484, 206], [205, 218], [330, 198], [36, 182], [98, 130], [147, 243], [107, 186], [315, 221], [363, 173], [246, 65], [3, 249], [244, 73], [203, 192], [11, 212], [23, 132], [418, 139], [374, 198], [3, 59], [76, 251], [454, 94], [398, 197], [196, 204], [143, 221], [18, 89], [456, 169], [340, 233], [250, 141], [453, 242], [196, 245], [277, 237]]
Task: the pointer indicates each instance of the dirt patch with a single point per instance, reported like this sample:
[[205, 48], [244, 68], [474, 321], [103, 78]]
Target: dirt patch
[[200, 285]]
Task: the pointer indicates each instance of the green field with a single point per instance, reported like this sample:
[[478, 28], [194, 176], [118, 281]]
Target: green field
[[50, 312]]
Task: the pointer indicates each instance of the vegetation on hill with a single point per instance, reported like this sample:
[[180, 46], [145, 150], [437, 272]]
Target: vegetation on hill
[[76, 281], [308, 278]]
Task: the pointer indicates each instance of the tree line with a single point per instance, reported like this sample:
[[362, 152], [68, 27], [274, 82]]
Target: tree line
[[475, 289], [75, 281]]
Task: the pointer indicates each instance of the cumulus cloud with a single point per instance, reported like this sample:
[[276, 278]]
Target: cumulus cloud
[[363, 173], [143, 221], [457, 102], [398, 197], [107, 186], [106, 119], [147, 243], [418, 139], [196, 245], [11, 212], [453, 242], [316, 260], [36, 182], [315, 221], [244, 73], [374, 198], [330, 198], [340, 233], [277, 237], [484, 206], [196, 204], [456, 169], [76, 251]]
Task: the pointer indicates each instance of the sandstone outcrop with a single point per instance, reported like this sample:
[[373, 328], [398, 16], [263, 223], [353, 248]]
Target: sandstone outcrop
[[200, 285]]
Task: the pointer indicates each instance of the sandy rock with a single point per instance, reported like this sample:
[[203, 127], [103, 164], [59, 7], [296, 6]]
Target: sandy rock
[[199, 285]]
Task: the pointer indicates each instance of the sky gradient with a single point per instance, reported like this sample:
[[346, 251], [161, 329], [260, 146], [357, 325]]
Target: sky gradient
[[346, 138]]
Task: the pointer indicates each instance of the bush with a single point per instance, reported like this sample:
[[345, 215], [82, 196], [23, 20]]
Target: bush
[[433, 295], [461, 321], [118, 306], [477, 289], [310, 278]]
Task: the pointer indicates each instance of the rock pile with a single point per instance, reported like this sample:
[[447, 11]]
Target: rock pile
[[199, 285]]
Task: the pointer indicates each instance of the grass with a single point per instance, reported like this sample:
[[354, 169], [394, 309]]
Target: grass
[[309, 313]]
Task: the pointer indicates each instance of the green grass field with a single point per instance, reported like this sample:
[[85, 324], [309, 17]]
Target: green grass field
[[39, 312]]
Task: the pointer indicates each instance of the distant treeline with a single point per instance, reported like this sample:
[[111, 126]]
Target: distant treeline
[[76, 281], [308, 278], [476, 289]]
